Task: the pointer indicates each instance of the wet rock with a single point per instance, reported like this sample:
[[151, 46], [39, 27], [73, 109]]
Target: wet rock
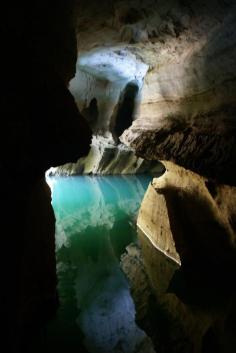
[[187, 235], [132, 265], [106, 157]]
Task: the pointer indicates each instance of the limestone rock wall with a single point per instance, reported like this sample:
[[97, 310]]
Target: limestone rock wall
[[86, 87], [188, 98], [105, 97], [106, 158], [186, 114], [186, 105], [187, 234], [183, 56]]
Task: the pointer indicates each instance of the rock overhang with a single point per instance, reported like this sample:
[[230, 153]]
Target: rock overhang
[[112, 64], [182, 55]]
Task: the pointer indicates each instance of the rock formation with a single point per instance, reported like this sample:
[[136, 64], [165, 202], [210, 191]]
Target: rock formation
[[107, 95], [168, 67], [188, 97], [181, 56], [187, 231], [40, 124], [185, 114]]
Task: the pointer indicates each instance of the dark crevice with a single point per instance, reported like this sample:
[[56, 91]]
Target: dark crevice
[[125, 110], [91, 113]]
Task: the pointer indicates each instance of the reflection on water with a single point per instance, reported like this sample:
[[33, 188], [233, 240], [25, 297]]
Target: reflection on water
[[95, 220]]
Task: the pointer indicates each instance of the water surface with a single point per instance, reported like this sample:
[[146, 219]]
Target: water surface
[[95, 221]]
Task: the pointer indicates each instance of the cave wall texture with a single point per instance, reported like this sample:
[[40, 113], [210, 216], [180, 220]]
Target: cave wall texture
[[186, 115], [187, 83], [186, 228], [189, 87], [182, 55]]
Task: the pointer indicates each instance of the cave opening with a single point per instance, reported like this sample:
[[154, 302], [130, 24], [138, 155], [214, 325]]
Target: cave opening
[[107, 88], [91, 113], [126, 109]]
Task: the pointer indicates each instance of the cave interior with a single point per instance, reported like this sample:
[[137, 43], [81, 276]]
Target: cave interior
[[135, 99]]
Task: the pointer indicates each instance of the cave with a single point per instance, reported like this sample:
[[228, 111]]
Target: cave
[[125, 111], [118, 145]]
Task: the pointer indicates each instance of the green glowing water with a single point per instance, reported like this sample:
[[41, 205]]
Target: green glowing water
[[95, 221]]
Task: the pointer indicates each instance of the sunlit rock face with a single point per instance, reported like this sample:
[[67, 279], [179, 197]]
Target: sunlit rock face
[[187, 232], [105, 157], [187, 105], [185, 114], [188, 98], [107, 88]]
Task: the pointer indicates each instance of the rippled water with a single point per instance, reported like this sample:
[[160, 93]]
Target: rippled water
[[95, 220]]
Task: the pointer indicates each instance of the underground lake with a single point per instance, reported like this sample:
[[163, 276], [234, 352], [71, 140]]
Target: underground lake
[[95, 221]]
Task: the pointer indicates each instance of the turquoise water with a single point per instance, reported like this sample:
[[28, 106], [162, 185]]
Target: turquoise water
[[95, 221]]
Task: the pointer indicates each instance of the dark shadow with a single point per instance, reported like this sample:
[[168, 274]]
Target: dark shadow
[[207, 258], [91, 113], [41, 128], [125, 110], [210, 342]]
